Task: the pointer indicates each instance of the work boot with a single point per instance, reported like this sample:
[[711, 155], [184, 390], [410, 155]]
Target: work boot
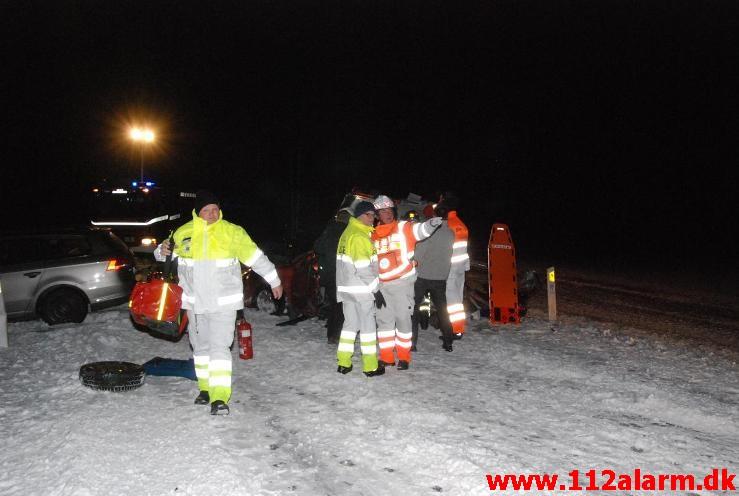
[[402, 365], [218, 407], [344, 370], [203, 398], [378, 371], [447, 345], [387, 364]]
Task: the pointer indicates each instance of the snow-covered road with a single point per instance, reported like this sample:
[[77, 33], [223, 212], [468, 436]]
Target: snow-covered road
[[520, 399]]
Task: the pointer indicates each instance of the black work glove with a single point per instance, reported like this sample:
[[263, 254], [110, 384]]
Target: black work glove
[[380, 300]]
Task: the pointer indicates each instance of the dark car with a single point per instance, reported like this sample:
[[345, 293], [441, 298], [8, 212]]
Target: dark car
[[61, 274], [299, 278]]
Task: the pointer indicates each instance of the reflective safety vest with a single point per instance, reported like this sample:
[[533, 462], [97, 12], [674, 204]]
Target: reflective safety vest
[[356, 264], [460, 258], [395, 243], [208, 257], [455, 282]]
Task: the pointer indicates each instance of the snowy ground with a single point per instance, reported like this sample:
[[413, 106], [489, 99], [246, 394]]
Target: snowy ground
[[591, 394]]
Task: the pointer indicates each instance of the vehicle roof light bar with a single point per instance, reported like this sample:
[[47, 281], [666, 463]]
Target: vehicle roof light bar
[[147, 223]]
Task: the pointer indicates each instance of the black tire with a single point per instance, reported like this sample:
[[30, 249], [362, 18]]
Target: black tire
[[63, 305], [265, 302], [112, 376]]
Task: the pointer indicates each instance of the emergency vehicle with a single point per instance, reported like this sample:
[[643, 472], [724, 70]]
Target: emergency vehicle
[[140, 213]]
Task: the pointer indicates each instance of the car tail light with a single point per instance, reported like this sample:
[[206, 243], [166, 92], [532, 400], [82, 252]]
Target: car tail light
[[116, 264]]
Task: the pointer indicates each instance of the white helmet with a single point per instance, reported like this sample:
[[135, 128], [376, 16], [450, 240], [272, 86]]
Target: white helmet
[[383, 201]]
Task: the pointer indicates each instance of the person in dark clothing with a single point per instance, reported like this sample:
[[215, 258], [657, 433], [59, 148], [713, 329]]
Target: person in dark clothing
[[325, 248], [433, 256]]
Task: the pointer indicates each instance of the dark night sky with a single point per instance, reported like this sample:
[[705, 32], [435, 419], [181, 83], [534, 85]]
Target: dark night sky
[[605, 129]]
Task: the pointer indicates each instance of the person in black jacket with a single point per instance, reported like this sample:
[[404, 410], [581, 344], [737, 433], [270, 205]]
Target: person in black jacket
[[325, 248]]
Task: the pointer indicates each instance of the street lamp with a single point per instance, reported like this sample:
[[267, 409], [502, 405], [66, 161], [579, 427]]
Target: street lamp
[[142, 136]]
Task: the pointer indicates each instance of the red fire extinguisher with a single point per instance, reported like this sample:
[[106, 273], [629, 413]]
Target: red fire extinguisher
[[243, 329]]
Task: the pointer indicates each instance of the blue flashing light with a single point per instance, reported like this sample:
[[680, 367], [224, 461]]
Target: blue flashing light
[[134, 184], [150, 183]]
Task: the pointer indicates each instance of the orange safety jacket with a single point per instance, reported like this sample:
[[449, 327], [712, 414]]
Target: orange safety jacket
[[395, 243], [460, 264], [460, 258]]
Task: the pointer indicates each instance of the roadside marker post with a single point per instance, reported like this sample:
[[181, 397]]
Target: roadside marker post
[[551, 295], [3, 322]]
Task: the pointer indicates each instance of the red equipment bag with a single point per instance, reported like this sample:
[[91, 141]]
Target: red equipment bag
[[504, 308], [157, 302]]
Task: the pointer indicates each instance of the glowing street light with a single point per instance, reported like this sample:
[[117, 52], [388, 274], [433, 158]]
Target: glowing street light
[[143, 136]]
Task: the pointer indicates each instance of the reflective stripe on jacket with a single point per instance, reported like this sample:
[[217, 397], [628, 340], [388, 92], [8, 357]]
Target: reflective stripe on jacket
[[460, 258], [208, 264], [356, 264], [395, 244]]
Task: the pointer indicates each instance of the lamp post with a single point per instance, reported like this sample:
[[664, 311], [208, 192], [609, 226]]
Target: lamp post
[[143, 136]]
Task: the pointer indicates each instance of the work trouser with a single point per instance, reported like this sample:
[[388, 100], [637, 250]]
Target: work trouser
[[211, 335], [334, 314], [455, 300], [359, 316], [437, 290], [394, 328]]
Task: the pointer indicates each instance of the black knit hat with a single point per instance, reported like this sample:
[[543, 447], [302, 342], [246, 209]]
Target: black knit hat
[[203, 198], [363, 207]]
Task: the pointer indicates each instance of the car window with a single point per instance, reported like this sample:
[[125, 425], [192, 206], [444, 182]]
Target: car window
[[66, 247], [100, 245], [107, 243], [14, 251], [117, 244]]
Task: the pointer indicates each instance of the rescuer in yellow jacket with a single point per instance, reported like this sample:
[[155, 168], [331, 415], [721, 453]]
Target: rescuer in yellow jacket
[[208, 251], [357, 287]]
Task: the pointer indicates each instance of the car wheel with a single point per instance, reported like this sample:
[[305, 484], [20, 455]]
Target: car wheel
[[62, 305], [265, 302], [112, 376]]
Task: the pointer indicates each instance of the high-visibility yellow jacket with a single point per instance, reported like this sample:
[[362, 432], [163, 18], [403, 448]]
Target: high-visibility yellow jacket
[[208, 259], [356, 264]]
